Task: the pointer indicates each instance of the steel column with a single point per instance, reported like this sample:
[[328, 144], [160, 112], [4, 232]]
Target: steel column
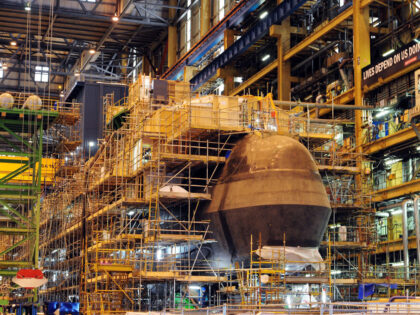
[[405, 238], [417, 223], [22, 131], [361, 58], [279, 14], [172, 36], [205, 12]]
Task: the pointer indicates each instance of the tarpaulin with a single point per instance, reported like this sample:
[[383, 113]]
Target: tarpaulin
[[65, 308], [367, 289]]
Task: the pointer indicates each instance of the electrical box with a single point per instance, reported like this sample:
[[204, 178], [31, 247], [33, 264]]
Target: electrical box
[[160, 89]]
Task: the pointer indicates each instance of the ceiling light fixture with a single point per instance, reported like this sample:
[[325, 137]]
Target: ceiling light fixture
[[92, 51], [115, 18], [383, 112], [28, 6], [13, 43], [263, 15], [396, 212], [392, 161], [387, 53], [265, 57]]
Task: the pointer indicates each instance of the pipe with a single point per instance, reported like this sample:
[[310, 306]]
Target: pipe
[[319, 52], [417, 223], [397, 297], [405, 237], [344, 77], [335, 106]]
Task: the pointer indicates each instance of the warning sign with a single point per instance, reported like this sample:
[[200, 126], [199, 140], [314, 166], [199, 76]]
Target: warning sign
[[390, 65]]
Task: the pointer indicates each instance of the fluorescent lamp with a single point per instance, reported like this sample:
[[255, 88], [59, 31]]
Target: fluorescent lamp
[[395, 212], [159, 254], [194, 287], [382, 214], [382, 113], [238, 79], [265, 57], [130, 213], [334, 226], [335, 272], [392, 161], [263, 15], [387, 53], [398, 264]]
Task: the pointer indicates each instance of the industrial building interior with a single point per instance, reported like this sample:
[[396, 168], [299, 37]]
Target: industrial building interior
[[223, 156]]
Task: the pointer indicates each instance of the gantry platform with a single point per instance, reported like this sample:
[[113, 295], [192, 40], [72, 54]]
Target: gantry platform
[[396, 138], [179, 276], [407, 188]]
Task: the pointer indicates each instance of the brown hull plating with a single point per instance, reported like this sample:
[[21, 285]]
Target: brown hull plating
[[270, 187]]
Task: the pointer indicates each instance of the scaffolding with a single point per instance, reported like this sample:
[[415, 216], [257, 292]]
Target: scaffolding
[[124, 228], [27, 168], [273, 278]]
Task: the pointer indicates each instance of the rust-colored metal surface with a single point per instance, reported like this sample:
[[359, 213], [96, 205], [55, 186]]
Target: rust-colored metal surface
[[270, 186]]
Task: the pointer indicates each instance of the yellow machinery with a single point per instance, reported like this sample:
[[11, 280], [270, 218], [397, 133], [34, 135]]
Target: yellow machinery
[[49, 167]]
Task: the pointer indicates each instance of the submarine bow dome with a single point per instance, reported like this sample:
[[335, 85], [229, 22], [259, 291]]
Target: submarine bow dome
[[270, 188]]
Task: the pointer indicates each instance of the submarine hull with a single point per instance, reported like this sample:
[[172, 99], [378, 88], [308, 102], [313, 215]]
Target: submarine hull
[[270, 188]]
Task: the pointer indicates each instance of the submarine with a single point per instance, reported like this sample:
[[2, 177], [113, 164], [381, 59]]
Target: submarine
[[269, 188]]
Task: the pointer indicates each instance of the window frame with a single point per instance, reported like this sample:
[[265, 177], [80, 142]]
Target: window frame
[[42, 74]]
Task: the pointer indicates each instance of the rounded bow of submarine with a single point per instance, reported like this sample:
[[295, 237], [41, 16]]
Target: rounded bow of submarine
[[270, 188]]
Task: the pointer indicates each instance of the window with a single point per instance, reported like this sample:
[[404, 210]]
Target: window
[[221, 9], [41, 74], [135, 64], [188, 26], [1, 71]]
